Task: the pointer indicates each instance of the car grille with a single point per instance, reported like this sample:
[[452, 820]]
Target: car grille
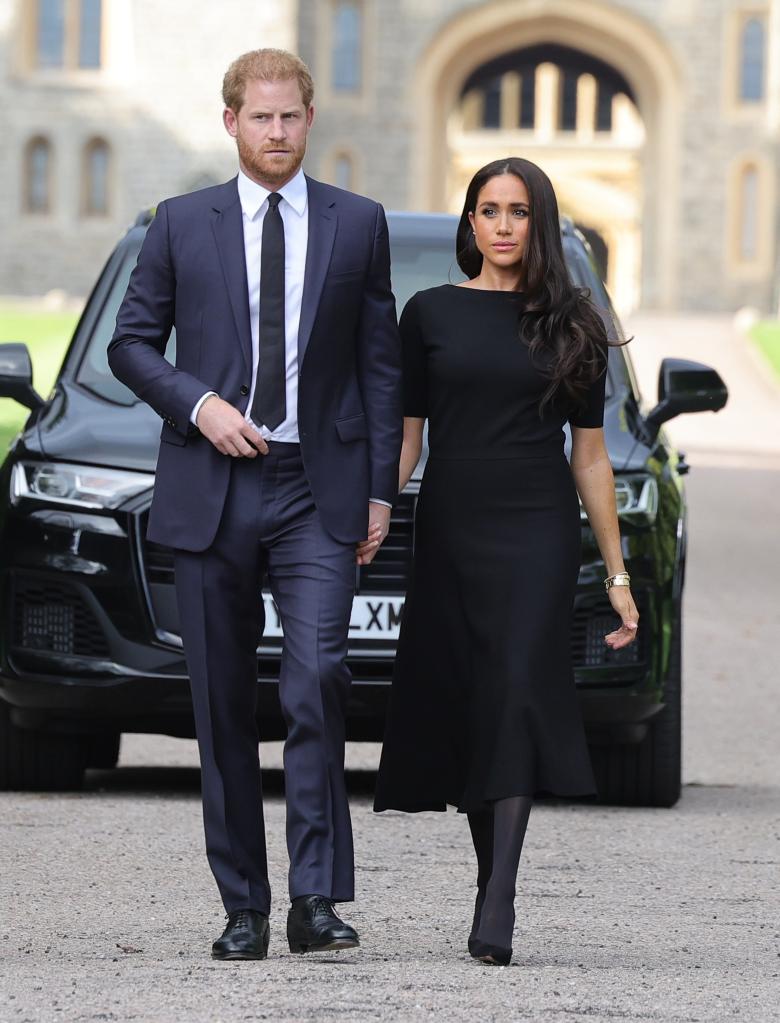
[[593, 619], [159, 562], [54, 618]]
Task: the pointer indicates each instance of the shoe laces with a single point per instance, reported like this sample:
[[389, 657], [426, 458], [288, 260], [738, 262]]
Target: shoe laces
[[324, 905], [239, 918]]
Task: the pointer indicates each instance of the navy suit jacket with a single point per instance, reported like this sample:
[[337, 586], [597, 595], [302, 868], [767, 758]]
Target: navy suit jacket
[[191, 274]]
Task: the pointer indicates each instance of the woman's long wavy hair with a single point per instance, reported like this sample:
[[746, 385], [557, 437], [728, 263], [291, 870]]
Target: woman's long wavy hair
[[564, 331]]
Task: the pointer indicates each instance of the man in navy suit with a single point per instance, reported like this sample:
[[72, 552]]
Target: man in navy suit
[[279, 455]]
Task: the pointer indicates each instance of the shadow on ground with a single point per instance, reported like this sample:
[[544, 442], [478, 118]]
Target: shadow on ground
[[185, 781]]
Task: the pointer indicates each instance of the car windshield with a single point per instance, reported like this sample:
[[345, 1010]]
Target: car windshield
[[93, 372], [417, 263]]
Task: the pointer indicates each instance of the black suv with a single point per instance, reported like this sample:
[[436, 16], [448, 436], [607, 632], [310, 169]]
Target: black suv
[[89, 635]]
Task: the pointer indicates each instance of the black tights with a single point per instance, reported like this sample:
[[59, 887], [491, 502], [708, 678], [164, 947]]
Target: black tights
[[498, 835]]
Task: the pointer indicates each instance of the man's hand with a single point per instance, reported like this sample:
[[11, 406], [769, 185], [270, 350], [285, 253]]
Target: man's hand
[[227, 429], [378, 525]]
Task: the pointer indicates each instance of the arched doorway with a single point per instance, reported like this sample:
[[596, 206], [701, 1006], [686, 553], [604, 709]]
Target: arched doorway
[[617, 174]]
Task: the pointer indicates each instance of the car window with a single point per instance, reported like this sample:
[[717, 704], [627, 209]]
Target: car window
[[93, 372], [416, 266]]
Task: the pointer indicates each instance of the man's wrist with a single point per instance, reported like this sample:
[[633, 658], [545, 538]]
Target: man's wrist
[[199, 406]]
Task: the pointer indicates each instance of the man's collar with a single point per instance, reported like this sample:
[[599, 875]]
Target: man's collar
[[252, 195]]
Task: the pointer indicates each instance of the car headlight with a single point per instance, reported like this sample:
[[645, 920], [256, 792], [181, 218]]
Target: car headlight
[[77, 486], [636, 497]]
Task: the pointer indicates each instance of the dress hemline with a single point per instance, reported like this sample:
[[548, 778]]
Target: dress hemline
[[441, 806]]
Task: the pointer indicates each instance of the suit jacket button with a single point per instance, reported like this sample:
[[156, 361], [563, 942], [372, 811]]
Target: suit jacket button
[[244, 389]]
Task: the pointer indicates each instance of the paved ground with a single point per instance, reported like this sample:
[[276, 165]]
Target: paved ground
[[108, 909]]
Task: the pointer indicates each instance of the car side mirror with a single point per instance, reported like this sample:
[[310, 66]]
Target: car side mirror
[[685, 386], [16, 375]]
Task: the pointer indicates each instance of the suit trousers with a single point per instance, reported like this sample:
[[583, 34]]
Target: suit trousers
[[271, 527]]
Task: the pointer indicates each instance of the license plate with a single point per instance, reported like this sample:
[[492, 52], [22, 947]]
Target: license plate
[[373, 617]]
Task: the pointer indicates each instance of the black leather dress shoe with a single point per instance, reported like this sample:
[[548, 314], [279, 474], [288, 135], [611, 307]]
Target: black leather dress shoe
[[245, 937], [313, 926]]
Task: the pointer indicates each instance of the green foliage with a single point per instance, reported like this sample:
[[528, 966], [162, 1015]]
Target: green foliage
[[46, 333], [766, 336]]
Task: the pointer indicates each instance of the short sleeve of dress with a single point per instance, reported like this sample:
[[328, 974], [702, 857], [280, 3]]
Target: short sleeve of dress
[[591, 415], [415, 375]]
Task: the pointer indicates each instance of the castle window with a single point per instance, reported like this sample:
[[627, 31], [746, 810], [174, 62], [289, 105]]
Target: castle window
[[67, 34], [347, 46], [89, 33], [343, 172], [37, 176], [50, 35], [752, 61], [95, 175]]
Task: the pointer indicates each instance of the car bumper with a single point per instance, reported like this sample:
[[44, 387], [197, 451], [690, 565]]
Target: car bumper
[[128, 701]]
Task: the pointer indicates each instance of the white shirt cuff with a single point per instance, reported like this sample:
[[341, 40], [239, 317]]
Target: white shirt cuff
[[375, 500], [196, 410]]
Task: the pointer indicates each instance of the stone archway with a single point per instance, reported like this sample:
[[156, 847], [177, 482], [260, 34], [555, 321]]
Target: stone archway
[[626, 42]]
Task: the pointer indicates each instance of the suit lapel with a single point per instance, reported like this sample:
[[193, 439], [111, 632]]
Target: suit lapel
[[228, 226], [323, 221]]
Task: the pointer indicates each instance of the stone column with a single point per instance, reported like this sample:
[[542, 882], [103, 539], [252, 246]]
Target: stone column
[[546, 113], [586, 108], [510, 101], [472, 109]]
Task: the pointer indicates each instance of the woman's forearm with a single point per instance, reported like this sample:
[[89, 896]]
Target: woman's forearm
[[596, 487], [411, 450]]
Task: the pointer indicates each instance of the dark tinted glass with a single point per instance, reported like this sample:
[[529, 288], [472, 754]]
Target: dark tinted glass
[[93, 372], [417, 266]]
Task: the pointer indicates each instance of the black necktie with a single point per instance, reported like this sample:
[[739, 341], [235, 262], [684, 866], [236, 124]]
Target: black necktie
[[269, 407]]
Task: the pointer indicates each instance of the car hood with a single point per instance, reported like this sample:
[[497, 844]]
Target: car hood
[[80, 427]]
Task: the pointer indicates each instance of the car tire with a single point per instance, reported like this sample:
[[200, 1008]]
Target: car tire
[[648, 773], [33, 761], [103, 750]]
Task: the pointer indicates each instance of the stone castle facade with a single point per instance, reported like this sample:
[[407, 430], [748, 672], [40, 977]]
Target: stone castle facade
[[658, 121]]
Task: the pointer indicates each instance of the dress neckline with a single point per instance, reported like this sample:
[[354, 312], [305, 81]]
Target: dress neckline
[[487, 291]]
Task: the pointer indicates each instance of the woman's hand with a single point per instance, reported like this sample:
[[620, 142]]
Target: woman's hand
[[378, 526], [621, 600]]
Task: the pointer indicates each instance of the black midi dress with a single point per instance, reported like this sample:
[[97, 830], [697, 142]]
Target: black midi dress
[[483, 704]]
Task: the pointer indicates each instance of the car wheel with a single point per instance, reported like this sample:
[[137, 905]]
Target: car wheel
[[39, 761], [103, 750], [648, 773]]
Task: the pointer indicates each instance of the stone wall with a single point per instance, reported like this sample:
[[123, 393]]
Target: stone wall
[[695, 36], [157, 103]]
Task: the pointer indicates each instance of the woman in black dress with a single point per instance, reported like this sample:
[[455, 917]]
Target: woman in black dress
[[483, 713]]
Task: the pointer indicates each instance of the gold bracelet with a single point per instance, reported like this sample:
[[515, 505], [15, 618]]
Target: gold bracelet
[[618, 579]]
